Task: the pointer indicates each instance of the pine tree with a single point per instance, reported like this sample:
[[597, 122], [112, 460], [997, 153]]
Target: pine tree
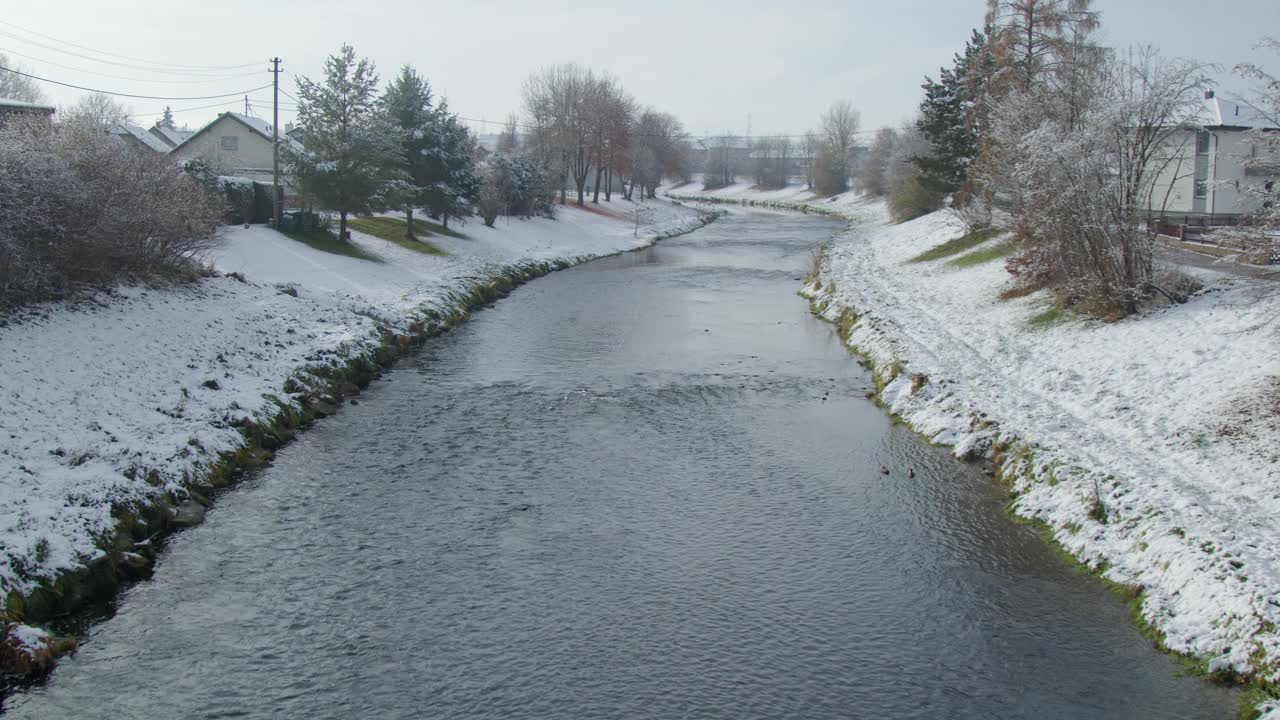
[[407, 101], [166, 121], [950, 118], [454, 183], [352, 160]]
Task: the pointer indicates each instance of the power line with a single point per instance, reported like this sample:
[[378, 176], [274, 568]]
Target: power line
[[121, 77], [129, 95], [110, 54], [175, 111]]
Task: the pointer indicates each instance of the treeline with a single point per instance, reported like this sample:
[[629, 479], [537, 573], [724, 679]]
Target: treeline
[[1070, 146], [367, 152]]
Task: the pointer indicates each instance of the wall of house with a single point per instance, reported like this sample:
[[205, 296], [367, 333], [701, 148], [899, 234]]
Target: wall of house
[[1230, 191], [252, 158], [1222, 170], [1173, 190]]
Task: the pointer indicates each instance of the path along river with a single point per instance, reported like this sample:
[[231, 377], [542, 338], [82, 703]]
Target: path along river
[[646, 487]]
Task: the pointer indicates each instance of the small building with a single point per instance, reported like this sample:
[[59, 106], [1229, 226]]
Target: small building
[[1207, 181], [234, 145], [18, 108]]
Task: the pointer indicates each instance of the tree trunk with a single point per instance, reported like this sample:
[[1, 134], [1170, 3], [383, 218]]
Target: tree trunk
[[342, 225], [596, 197], [608, 186], [444, 217], [409, 222]]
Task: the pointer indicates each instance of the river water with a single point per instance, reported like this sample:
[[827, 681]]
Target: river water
[[646, 487]]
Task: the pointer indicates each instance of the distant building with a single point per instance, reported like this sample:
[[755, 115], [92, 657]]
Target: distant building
[[140, 138], [1208, 181], [172, 137], [235, 145]]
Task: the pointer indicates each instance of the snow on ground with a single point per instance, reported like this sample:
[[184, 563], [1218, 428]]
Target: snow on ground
[[1173, 416], [143, 381]]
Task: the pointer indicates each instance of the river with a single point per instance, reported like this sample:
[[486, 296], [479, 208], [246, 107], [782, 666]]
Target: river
[[646, 487]]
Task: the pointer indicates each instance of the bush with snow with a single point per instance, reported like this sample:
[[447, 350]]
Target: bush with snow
[[78, 207]]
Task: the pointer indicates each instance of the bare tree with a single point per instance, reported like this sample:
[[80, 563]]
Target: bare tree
[[509, 138], [1030, 34], [839, 129], [18, 87], [876, 171], [96, 111], [560, 101]]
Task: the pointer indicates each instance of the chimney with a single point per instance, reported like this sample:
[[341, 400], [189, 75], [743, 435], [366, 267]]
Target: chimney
[[288, 127], [1208, 94]]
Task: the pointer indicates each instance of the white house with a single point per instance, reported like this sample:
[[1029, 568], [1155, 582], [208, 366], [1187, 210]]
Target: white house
[[233, 144], [1207, 182]]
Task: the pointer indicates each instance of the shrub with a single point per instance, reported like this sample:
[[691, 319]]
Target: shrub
[[79, 207]]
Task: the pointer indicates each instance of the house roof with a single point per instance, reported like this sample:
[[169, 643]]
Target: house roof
[[140, 134], [20, 105], [173, 136], [1220, 112], [258, 125]]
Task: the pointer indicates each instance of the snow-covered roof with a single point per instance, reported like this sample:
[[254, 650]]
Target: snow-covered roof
[[22, 105], [140, 134], [173, 136], [258, 125], [1221, 112]]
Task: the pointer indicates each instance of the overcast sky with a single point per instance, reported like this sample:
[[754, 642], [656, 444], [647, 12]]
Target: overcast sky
[[712, 64]]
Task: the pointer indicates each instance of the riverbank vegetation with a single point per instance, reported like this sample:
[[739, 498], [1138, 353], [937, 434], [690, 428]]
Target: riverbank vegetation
[[79, 210]]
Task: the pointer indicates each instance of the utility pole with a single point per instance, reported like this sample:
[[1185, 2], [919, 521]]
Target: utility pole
[[246, 104], [275, 142]]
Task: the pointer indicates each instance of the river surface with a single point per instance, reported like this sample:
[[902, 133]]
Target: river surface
[[646, 487]]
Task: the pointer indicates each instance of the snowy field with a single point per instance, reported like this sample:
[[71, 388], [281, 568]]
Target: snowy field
[[142, 382], [1174, 417]]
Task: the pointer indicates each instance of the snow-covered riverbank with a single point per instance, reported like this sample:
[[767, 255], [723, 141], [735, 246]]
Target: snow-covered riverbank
[[1150, 447], [131, 399]]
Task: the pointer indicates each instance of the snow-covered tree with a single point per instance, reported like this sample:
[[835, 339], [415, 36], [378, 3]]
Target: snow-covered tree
[[18, 87], [1077, 188], [408, 102], [351, 163], [452, 181], [81, 208]]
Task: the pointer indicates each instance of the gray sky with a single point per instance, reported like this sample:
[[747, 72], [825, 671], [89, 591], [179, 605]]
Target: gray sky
[[710, 63]]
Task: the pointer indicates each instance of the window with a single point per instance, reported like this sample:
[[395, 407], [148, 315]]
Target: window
[[1202, 142], [1202, 189], [230, 143]]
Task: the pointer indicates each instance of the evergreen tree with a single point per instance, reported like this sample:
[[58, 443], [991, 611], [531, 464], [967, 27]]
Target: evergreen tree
[[166, 121], [352, 159], [453, 184], [950, 118], [407, 101]]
